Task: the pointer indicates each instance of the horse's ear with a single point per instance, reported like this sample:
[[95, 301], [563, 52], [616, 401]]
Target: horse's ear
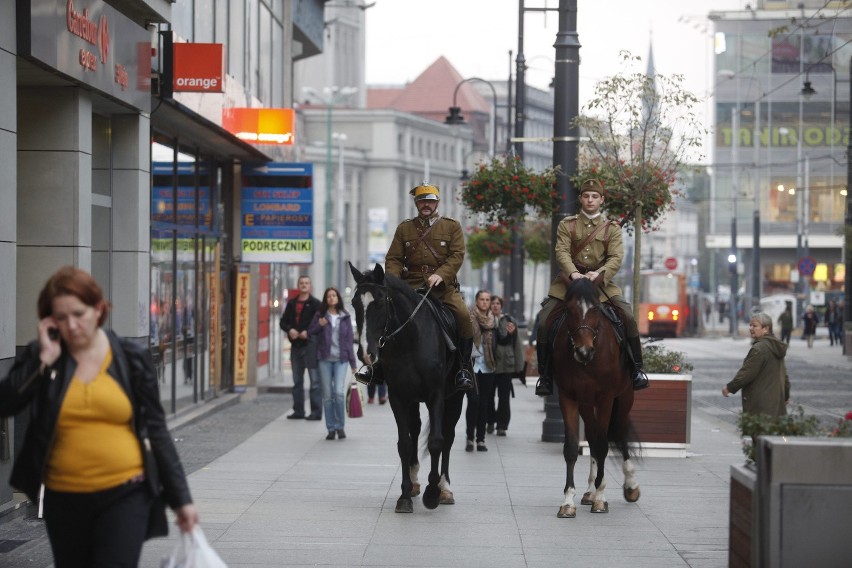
[[356, 274], [379, 272]]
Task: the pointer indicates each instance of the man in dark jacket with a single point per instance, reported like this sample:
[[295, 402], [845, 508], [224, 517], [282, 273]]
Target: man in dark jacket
[[303, 351]]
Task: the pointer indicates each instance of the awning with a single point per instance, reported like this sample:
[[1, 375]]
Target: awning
[[191, 129]]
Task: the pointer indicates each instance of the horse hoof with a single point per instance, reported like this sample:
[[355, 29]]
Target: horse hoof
[[600, 507], [415, 490], [567, 512], [588, 498], [447, 497], [431, 497], [632, 495], [404, 505]]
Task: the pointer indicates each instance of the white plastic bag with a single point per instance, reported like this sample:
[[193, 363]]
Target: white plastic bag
[[193, 551]]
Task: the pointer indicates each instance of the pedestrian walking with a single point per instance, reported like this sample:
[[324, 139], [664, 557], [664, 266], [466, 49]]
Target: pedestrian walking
[[97, 437], [484, 339], [335, 352], [303, 350], [785, 321], [763, 375], [833, 317], [381, 389], [810, 321], [508, 364]]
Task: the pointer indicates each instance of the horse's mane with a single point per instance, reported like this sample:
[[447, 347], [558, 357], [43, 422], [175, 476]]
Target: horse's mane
[[402, 287], [581, 290]]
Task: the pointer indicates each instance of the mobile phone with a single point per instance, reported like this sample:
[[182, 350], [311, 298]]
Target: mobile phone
[[53, 333]]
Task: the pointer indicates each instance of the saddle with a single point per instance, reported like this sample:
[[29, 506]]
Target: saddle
[[445, 319]]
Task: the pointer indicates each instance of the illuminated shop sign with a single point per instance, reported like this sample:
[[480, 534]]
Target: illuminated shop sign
[[92, 43], [260, 125], [197, 67], [786, 137]]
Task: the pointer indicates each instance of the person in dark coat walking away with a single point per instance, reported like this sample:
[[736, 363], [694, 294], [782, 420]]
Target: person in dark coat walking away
[[303, 351], [96, 438], [763, 375], [785, 320], [810, 321], [335, 352]]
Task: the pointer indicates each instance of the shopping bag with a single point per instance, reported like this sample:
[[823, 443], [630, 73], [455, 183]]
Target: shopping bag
[[193, 551], [354, 401]]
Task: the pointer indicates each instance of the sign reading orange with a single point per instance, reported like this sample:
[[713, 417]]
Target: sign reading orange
[[260, 125], [197, 67]]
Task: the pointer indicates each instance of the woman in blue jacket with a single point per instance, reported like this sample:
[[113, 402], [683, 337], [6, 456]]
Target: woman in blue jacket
[[333, 327]]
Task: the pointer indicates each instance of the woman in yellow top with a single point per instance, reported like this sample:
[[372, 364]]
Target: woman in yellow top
[[97, 437]]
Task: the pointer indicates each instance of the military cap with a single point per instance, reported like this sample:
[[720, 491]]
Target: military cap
[[425, 191]]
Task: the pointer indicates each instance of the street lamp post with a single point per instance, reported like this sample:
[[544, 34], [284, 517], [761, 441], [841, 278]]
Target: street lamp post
[[732, 257], [847, 304], [341, 192], [455, 116], [330, 96]]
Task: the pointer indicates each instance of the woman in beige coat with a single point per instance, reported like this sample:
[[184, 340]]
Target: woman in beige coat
[[763, 376]]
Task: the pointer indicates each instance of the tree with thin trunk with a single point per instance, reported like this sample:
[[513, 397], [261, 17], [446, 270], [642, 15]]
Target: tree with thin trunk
[[638, 130]]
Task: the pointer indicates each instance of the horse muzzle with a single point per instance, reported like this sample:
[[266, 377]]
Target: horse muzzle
[[584, 354]]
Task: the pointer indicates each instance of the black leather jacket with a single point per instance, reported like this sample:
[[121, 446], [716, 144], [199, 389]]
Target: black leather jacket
[[134, 371]]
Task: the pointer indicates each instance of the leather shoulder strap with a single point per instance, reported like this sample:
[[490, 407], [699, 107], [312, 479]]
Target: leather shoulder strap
[[576, 250]]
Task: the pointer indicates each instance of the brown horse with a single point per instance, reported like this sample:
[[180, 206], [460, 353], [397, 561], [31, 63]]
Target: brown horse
[[592, 381]]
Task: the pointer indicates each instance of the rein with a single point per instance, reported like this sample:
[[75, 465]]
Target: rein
[[385, 337]]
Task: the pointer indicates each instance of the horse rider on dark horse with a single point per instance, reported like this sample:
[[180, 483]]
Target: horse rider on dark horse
[[428, 251], [588, 246]]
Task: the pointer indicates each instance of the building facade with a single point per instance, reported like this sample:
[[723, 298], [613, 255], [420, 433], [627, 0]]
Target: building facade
[[781, 132]]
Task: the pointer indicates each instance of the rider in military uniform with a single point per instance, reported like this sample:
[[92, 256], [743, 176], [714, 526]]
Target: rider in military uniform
[[588, 245], [428, 251]]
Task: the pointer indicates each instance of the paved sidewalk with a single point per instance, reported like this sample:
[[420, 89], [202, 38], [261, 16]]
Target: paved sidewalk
[[288, 497]]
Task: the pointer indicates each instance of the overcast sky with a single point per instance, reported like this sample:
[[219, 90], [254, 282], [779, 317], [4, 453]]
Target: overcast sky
[[406, 36]]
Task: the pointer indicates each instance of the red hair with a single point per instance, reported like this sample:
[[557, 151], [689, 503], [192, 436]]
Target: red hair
[[71, 281]]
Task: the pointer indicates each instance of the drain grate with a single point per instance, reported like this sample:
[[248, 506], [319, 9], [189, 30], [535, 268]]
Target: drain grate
[[10, 545]]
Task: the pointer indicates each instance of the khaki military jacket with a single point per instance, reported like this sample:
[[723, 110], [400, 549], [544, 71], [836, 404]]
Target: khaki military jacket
[[597, 255], [441, 252]]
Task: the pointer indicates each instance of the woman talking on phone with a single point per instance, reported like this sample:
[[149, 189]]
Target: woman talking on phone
[[97, 437]]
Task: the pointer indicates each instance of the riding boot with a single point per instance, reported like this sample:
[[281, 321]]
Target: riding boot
[[464, 378], [640, 379], [369, 374], [544, 386]]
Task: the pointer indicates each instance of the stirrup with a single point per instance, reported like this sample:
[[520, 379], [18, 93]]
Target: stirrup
[[640, 380], [364, 375], [464, 380], [544, 386]]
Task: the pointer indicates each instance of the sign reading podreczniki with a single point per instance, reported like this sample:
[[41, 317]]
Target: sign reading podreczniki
[[277, 213]]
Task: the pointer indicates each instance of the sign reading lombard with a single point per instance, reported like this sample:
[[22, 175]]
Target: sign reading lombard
[[277, 213]]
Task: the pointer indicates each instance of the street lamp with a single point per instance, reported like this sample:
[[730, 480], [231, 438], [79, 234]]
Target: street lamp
[[455, 116], [847, 304], [330, 96], [341, 192]]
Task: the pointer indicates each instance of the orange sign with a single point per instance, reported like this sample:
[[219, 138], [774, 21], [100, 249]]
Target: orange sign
[[260, 125], [197, 67]]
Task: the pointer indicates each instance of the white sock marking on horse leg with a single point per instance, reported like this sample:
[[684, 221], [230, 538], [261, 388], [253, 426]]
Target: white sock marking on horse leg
[[413, 471], [629, 474], [592, 473], [600, 495], [443, 484], [569, 497]]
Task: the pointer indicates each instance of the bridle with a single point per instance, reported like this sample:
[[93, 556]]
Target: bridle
[[583, 325], [390, 315]]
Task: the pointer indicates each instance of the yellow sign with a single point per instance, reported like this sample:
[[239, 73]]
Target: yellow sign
[[243, 312], [296, 251]]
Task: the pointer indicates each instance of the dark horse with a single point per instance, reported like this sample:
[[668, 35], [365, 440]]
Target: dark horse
[[593, 380], [400, 332]]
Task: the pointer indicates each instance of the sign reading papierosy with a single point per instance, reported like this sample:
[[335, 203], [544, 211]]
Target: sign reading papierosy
[[277, 213]]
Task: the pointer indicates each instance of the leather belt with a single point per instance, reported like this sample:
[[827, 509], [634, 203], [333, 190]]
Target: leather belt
[[423, 268]]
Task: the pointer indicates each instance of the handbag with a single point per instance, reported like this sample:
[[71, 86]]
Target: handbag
[[193, 551], [354, 401]]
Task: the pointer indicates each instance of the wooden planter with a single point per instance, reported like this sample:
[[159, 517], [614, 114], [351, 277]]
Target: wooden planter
[[661, 416]]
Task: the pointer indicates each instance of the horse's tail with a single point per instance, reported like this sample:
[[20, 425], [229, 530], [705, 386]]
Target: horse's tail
[[621, 434]]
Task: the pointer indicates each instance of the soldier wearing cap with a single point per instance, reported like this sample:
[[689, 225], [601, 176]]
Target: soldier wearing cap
[[428, 251], [588, 246]]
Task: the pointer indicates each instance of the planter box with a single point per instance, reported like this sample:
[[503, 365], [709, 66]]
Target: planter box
[[662, 416], [796, 508]]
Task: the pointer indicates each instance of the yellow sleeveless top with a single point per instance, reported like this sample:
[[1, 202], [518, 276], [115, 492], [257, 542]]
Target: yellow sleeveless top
[[95, 447]]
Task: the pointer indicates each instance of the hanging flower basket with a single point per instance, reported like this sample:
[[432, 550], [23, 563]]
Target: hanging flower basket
[[503, 190], [487, 244]]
